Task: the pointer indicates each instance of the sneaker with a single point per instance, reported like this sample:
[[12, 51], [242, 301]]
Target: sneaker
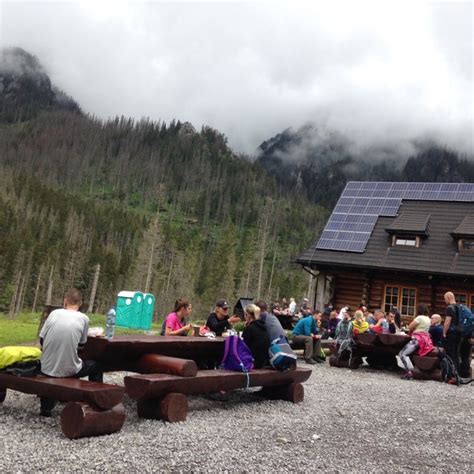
[[465, 380], [319, 360], [407, 375], [310, 361]]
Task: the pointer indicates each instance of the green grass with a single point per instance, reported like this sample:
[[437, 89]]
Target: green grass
[[23, 329]]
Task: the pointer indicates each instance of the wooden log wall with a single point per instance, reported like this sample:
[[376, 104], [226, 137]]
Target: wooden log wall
[[355, 287], [349, 289]]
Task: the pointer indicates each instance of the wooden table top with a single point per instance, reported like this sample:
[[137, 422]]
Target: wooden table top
[[130, 347]]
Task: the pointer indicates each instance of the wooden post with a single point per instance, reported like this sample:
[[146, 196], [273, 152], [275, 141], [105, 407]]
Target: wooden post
[[291, 393], [79, 420], [172, 407], [320, 290]]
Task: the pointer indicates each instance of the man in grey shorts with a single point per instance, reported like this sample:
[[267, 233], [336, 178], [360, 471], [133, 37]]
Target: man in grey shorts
[[63, 333]]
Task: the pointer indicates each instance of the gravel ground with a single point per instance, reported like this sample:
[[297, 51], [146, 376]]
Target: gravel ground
[[356, 421]]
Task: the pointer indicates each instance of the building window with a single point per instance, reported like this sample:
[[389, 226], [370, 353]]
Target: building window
[[465, 299], [410, 242], [391, 298], [408, 301], [403, 295], [461, 298], [466, 244]]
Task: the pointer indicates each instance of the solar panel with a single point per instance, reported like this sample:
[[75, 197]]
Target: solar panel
[[363, 202]]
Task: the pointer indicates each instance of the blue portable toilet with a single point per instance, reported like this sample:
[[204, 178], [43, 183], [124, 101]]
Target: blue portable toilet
[[148, 309], [129, 309]]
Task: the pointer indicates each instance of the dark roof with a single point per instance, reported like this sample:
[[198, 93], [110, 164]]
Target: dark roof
[[363, 202], [414, 223], [465, 228], [437, 254]]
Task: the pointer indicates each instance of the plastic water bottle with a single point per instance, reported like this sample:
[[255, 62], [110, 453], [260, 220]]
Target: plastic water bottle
[[385, 328], [110, 323]]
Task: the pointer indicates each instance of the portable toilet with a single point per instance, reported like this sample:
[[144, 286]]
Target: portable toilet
[[129, 309], [148, 308]]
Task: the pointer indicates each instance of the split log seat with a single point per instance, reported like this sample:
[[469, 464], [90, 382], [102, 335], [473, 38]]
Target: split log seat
[[161, 396], [93, 408], [427, 367]]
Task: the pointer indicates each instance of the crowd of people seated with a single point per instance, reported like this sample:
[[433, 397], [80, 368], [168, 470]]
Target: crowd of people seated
[[308, 327]]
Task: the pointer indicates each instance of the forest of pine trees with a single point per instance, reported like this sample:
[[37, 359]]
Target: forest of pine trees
[[145, 205]]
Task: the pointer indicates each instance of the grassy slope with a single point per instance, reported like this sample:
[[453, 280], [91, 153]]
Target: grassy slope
[[23, 329]]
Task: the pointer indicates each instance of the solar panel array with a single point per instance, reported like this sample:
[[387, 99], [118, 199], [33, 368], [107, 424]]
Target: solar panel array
[[361, 203]]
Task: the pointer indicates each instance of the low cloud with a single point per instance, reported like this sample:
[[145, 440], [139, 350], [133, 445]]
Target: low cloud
[[378, 72]]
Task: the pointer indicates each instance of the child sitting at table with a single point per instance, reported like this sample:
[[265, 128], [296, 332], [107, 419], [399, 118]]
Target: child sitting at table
[[359, 325]]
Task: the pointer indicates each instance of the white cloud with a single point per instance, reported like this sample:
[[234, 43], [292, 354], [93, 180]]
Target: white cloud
[[388, 71]]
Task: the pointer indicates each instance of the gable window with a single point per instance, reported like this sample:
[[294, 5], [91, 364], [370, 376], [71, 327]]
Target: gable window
[[408, 241], [403, 298], [466, 244]]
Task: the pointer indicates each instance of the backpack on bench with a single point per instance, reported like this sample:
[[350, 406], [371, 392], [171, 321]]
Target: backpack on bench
[[237, 355], [281, 355]]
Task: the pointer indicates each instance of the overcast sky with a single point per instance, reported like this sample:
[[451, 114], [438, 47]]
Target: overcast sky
[[376, 71]]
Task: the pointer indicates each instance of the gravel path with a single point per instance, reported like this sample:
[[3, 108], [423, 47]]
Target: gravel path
[[357, 421]]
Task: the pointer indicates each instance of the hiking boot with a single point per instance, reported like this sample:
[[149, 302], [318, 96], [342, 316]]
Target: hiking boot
[[310, 361], [407, 375]]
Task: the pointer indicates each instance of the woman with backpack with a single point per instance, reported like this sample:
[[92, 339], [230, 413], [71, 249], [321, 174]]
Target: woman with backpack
[[255, 336]]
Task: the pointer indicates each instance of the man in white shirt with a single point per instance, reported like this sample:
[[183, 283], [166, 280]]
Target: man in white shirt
[[63, 333]]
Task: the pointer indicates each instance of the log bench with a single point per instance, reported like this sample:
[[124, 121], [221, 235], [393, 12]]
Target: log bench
[[381, 350], [92, 408], [163, 396]]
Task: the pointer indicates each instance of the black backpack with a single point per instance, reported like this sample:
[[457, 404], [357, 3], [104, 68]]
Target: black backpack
[[449, 373], [29, 368]]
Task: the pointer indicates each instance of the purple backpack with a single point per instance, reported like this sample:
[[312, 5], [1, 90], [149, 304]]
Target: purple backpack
[[237, 355]]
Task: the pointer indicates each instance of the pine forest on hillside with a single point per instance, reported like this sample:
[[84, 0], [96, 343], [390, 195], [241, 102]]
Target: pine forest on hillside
[[160, 208]]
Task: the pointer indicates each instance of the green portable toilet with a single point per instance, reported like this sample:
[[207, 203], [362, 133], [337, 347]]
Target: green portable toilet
[[148, 308], [129, 309]]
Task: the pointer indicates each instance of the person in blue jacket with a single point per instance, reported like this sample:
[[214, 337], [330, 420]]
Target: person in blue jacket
[[306, 333]]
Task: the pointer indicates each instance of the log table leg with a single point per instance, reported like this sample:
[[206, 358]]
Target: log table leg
[[79, 420], [3, 394], [291, 393], [172, 407], [434, 374]]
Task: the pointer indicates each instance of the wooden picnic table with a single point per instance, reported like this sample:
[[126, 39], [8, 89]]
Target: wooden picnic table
[[123, 352]]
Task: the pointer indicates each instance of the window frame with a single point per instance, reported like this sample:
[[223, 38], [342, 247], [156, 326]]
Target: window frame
[[399, 297], [469, 299], [405, 238], [461, 246]]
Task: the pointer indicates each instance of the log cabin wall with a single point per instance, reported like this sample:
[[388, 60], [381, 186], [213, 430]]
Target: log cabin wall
[[461, 286], [349, 288], [422, 285], [353, 287]]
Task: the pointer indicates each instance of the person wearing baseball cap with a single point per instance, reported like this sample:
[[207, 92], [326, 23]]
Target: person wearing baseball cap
[[219, 320]]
